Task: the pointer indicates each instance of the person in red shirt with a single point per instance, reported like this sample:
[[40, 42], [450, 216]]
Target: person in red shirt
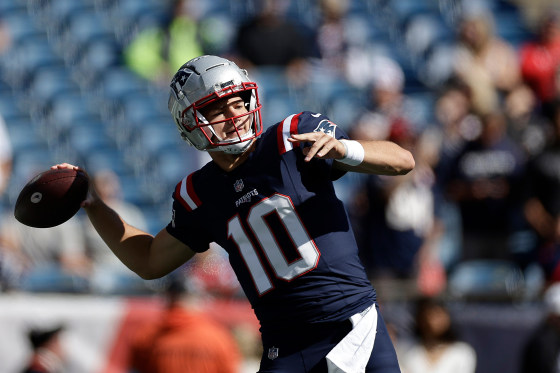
[[184, 340], [540, 59]]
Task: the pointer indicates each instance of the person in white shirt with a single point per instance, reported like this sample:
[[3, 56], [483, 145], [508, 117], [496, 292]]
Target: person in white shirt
[[436, 349]]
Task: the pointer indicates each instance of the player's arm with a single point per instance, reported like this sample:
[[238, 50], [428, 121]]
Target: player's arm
[[148, 256], [379, 156]]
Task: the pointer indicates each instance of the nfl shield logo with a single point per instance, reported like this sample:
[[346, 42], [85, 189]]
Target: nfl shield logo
[[238, 185], [273, 353]]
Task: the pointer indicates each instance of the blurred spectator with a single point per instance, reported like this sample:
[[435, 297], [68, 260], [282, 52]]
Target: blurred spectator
[[431, 262], [454, 116], [540, 60], [157, 52], [110, 275], [484, 180], [458, 124], [394, 218], [6, 151], [270, 38], [184, 339], [542, 351], [436, 348], [50, 259], [488, 64], [526, 125], [542, 207], [389, 114], [48, 355], [332, 38], [5, 36], [6, 157], [6, 161]]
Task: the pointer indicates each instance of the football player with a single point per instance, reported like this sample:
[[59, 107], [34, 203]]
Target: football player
[[269, 201]]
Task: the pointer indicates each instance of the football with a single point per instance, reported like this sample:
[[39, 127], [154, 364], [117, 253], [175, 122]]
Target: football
[[51, 198]]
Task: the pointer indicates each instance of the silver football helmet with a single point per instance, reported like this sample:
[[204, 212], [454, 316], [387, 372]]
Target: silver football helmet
[[202, 81]]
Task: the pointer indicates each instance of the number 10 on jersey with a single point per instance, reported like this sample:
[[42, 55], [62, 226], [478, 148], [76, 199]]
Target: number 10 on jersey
[[256, 222]]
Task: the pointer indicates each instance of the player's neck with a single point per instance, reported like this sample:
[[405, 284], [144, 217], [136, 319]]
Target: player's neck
[[229, 162]]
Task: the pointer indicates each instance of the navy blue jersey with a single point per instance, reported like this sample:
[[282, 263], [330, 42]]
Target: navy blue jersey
[[287, 234]]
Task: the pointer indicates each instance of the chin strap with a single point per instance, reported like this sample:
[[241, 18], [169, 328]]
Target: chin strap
[[237, 148]]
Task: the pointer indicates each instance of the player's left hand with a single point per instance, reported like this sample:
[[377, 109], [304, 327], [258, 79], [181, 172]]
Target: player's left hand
[[322, 145]]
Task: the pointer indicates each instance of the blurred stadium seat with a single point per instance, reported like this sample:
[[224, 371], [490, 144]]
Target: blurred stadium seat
[[106, 159], [49, 82], [20, 24], [496, 280]]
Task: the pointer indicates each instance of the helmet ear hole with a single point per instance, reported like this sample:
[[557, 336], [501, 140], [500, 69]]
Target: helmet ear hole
[[246, 97]]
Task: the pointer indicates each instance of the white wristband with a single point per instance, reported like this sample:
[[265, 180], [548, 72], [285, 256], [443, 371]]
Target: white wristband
[[354, 152]]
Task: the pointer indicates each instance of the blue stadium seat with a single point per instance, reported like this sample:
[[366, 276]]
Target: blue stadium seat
[[68, 110], [98, 56], [129, 16], [27, 163], [363, 30], [118, 82], [60, 11], [220, 7], [437, 65], [421, 103], [9, 106], [11, 6], [22, 60], [23, 134], [106, 159], [86, 26], [277, 106], [402, 9], [20, 25], [174, 164], [510, 26], [270, 79], [49, 82], [422, 30], [88, 136], [141, 107], [344, 105], [132, 189], [159, 134]]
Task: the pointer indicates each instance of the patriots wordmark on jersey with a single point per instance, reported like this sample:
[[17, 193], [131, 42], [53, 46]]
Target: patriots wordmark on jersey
[[287, 234]]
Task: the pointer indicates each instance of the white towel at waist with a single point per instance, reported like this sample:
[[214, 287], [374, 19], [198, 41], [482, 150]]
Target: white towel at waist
[[352, 353]]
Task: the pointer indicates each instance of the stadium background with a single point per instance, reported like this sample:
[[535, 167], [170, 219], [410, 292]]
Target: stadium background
[[66, 94]]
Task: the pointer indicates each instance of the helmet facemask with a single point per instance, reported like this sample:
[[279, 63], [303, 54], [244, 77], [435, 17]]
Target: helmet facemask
[[238, 143], [202, 82]]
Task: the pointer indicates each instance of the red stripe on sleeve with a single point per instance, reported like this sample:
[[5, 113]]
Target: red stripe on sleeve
[[191, 192], [280, 138], [293, 124], [179, 198], [283, 145], [294, 128]]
